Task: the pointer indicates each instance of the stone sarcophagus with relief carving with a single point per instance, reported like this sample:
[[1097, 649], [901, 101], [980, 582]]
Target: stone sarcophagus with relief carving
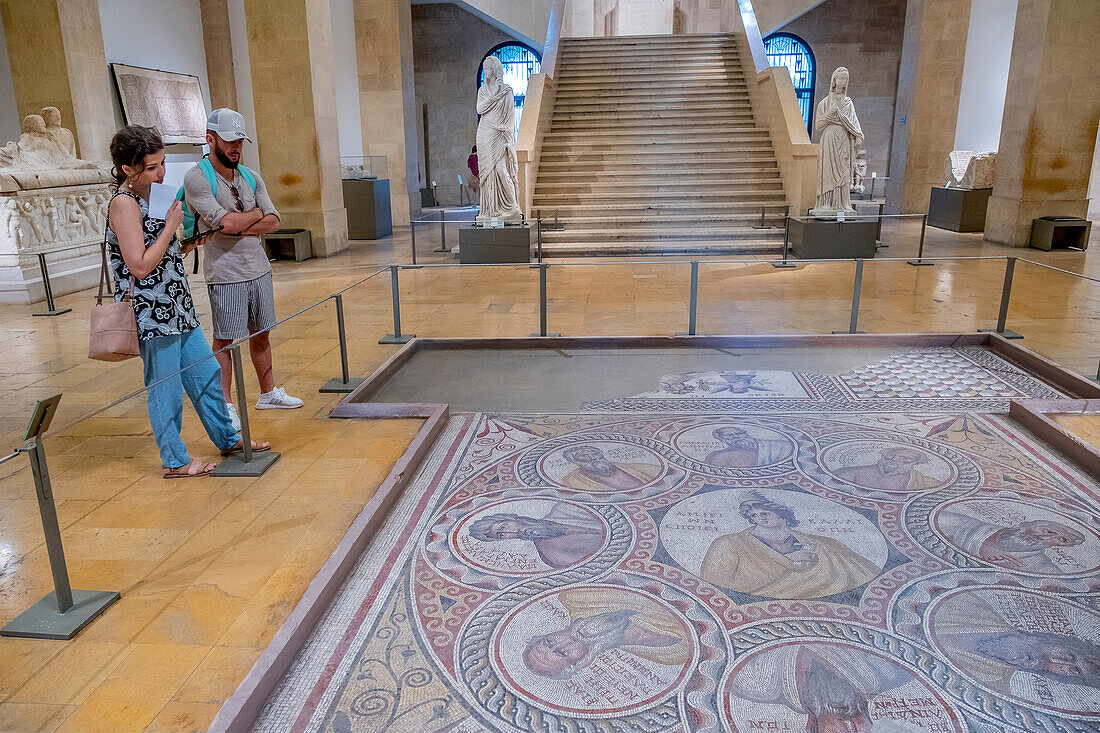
[[51, 203]]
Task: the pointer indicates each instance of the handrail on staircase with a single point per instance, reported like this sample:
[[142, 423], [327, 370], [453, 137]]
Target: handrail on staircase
[[538, 110]]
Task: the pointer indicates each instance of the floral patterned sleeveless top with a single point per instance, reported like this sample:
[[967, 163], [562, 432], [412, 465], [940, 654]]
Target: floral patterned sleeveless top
[[162, 300]]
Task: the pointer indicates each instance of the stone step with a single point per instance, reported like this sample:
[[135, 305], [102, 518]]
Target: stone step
[[666, 107], [697, 234], [656, 184], [664, 171], [715, 114], [655, 91], [664, 74], [639, 248], [604, 211], [658, 134], [652, 41], [563, 161], [657, 148], [578, 123], [634, 197], [662, 65], [743, 217]]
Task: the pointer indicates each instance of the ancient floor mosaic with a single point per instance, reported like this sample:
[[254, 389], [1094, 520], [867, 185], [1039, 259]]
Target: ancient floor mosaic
[[766, 568]]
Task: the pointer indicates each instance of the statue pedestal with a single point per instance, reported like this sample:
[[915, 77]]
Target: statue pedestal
[[477, 245], [822, 239], [368, 205], [958, 209]]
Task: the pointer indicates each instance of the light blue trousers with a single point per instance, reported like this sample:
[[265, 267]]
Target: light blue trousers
[[166, 355]]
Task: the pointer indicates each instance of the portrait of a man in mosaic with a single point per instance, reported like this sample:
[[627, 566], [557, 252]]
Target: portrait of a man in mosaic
[[1023, 546], [596, 472], [601, 621], [563, 537], [896, 469]]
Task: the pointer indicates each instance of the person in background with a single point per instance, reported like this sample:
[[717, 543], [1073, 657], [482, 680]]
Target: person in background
[[145, 252], [237, 271], [474, 182]]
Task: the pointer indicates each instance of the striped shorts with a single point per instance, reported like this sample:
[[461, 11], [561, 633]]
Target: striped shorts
[[238, 309]]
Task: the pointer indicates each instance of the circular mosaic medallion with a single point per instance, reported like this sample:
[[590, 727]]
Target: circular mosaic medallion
[[773, 543], [734, 445], [594, 650], [602, 466], [1018, 535], [1037, 650], [801, 685], [885, 469], [528, 536]]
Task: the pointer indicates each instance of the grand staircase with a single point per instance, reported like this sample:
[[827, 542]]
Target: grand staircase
[[654, 148]]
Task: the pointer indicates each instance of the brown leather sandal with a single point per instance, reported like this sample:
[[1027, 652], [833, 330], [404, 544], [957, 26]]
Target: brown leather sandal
[[194, 469], [257, 447]]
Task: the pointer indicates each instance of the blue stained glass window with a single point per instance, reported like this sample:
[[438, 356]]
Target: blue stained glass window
[[520, 64], [786, 49]]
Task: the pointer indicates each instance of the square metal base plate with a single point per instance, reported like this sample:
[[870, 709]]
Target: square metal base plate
[[784, 264], [539, 335], [697, 333], [339, 385], [44, 621], [920, 263], [235, 465], [848, 332], [404, 338], [55, 312], [1008, 333]]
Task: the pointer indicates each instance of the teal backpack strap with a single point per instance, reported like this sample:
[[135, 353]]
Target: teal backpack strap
[[248, 176], [207, 169]]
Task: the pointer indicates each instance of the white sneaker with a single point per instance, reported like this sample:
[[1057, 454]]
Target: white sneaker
[[278, 399], [234, 418]]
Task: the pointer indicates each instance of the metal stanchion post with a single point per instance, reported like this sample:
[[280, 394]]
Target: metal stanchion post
[[64, 612], [786, 241], [412, 238], [538, 234], [345, 383], [543, 300], [443, 231], [693, 302], [51, 310], [919, 262], [1006, 295], [761, 225], [878, 227], [395, 295], [247, 463], [857, 286]]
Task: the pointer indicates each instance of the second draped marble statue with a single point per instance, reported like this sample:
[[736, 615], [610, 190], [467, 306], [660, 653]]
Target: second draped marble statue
[[841, 139], [496, 147]]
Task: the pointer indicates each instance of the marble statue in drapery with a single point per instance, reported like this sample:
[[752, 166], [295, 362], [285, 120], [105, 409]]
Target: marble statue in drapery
[[496, 147], [841, 139]]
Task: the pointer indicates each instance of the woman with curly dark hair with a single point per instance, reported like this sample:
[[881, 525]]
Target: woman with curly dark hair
[[146, 258]]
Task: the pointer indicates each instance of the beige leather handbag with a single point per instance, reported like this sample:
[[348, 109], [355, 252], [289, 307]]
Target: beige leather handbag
[[114, 326]]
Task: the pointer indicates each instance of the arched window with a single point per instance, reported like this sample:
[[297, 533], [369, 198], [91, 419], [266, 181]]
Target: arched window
[[520, 63], [787, 49]]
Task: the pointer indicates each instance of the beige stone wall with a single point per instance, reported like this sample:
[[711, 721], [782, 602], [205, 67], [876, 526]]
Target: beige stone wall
[[55, 50], [387, 96], [929, 82], [448, 46], [219, 53], [290, 52], [866, 37], [1049, 128], [644, 17]]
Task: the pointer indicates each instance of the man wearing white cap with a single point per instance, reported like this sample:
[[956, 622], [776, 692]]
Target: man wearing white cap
[[225, 194]]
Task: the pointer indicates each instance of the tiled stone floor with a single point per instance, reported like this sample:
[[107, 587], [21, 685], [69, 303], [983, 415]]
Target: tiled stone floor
[[186, 630]]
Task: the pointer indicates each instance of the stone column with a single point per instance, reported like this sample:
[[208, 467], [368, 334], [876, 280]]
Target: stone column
[[219, 53], [929, 80], [294, 94], [55, 49], [1048, 132], [387, 96]]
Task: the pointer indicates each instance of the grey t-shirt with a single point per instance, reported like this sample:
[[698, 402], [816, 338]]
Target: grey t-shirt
[[227, 259]]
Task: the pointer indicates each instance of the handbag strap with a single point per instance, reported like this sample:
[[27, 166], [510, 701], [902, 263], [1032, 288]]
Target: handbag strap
[[103, 252]]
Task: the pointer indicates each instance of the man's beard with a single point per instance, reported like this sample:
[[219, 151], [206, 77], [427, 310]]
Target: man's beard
[[604, 630], [224, 160], [541, 531], [1015, 539], [743, 444], [602, 467]]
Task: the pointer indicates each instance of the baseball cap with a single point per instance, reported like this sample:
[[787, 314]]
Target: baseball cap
[[228, 124]]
